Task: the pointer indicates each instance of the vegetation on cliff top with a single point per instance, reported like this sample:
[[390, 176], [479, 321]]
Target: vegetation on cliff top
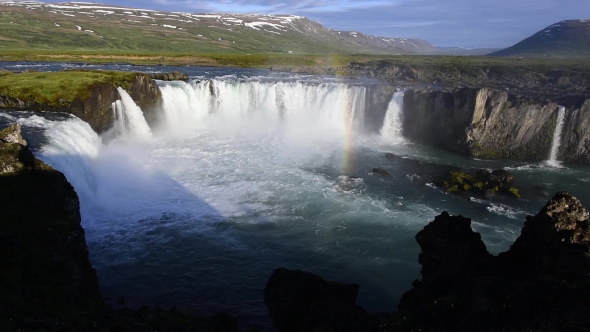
[[59, 88]]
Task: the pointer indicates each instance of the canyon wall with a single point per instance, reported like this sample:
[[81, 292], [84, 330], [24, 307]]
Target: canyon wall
[[489, 123]]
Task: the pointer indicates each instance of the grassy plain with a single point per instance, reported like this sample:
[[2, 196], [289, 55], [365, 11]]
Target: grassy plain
[[58, 88]]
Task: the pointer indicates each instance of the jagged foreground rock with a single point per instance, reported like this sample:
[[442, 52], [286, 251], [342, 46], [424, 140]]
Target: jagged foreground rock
[[47, 282], [541, 284]]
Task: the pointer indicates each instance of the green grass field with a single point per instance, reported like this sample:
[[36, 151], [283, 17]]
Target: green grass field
[[59, 88]]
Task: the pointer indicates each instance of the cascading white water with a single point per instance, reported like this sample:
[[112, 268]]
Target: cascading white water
[[392, 124], [129, 119], [556, 142], [335, 106], [70, 147]]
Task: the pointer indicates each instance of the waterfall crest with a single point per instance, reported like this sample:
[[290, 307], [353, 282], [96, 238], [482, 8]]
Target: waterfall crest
[[392, 124], [334, 105]]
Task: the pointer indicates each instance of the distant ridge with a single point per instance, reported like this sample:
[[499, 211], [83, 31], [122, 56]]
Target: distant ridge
[[89, 26], [566, 39]]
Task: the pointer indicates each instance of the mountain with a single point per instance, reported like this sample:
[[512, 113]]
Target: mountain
[[88, 26], [566, 39], [82, 26]]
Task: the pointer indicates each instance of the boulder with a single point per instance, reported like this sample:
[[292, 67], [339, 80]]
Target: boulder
[[300, 301], [173, 76], [502, 176], [483, 175], [489, 193], [12, 134], [451, 253], [381, 172]]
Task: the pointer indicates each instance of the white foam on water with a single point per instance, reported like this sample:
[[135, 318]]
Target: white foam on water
[[500, 209]]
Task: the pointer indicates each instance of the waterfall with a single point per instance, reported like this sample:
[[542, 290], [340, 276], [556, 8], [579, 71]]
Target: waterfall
[[70, 147], [392, 124], [556, 142], [129, 119], [336, 106]]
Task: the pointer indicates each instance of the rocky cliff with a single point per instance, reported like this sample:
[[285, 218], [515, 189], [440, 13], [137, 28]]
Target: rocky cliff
[[491, 124], [47, 282], [541, 284], [95, 91], [45, 267]]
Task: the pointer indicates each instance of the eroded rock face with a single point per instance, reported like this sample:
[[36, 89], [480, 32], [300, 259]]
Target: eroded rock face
[[482, 123]]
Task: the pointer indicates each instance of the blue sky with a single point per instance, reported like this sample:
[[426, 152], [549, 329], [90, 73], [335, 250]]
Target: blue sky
[[464, 23]]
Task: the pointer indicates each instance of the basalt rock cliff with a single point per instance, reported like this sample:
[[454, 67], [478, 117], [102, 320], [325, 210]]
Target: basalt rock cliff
[[492, 124], [47, 282], [541, 284]]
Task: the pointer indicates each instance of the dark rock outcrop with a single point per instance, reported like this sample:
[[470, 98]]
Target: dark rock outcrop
[[47, 282], [542, 283], [45, 267], [381, 172], [501, 176], [481, 182], [301, 301], [173, 76]]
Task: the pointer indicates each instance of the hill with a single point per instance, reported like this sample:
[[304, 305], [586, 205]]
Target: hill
[[566, 39], [86, 26], [83, 26]]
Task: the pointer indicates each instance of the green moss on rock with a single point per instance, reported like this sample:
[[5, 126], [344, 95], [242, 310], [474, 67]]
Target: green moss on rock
[[515, 192], [453, 189]]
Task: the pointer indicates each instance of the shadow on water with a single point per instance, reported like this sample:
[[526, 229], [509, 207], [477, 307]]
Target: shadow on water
[[184, 253]]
